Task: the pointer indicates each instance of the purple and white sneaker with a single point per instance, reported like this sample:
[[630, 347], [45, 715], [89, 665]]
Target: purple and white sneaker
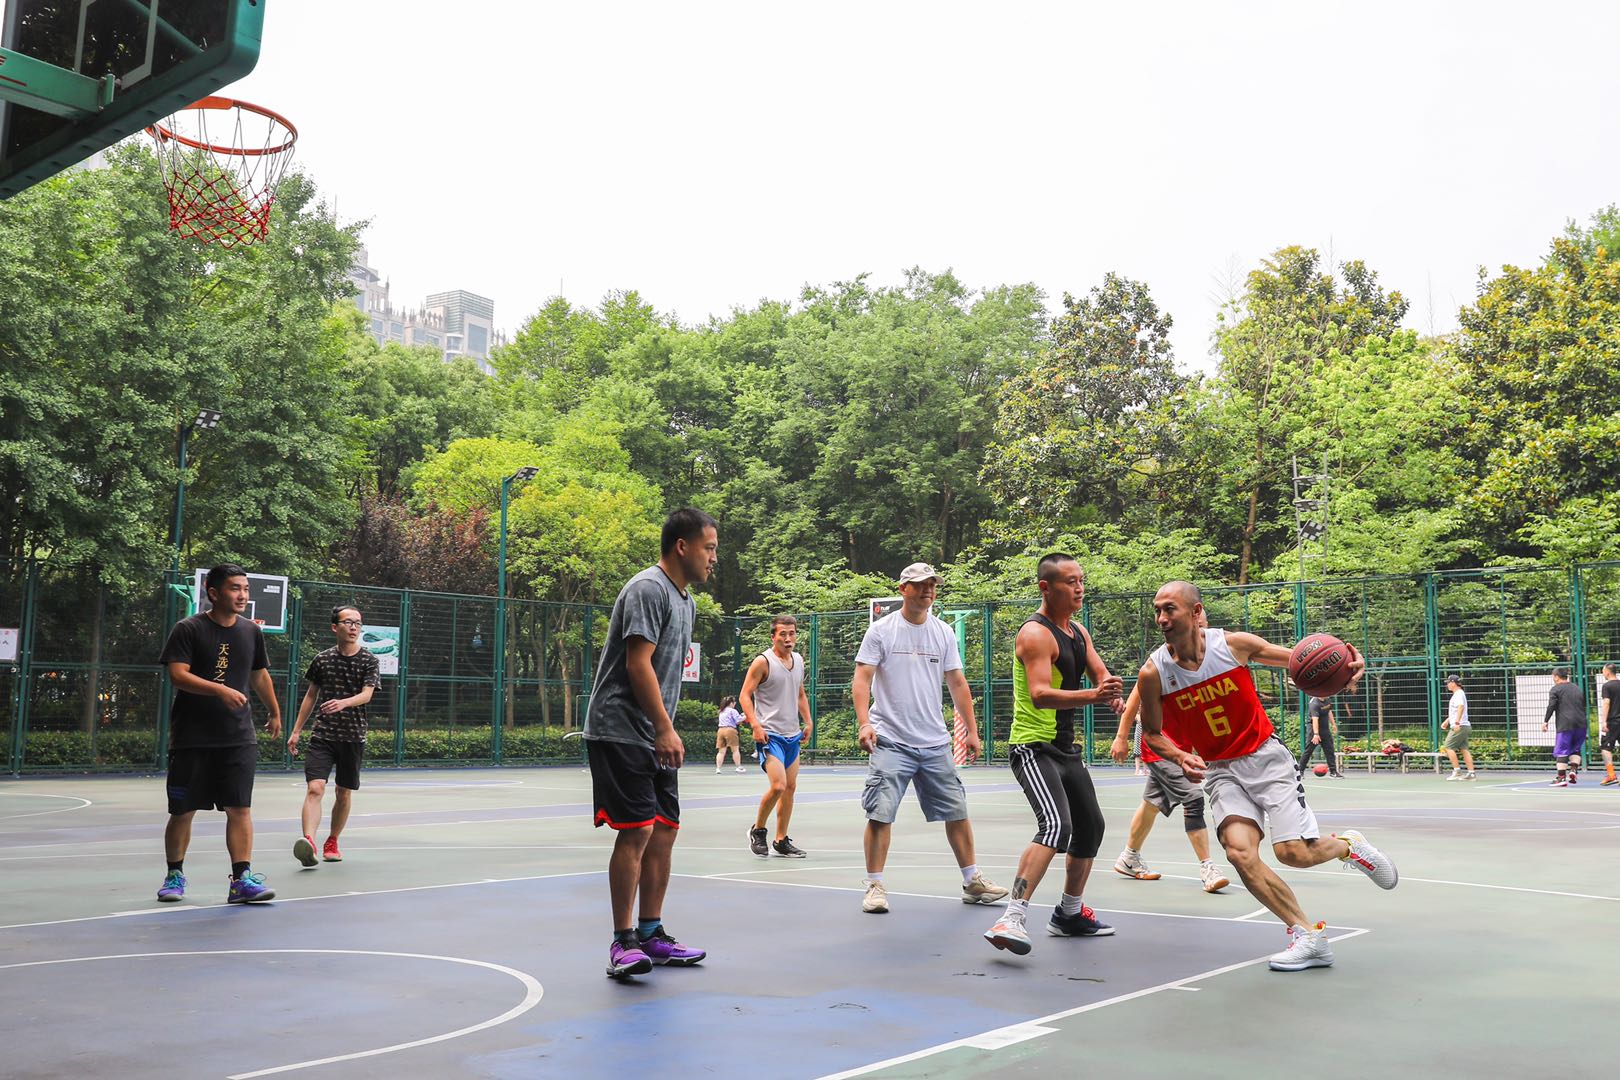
[[249, 889], [666, 950], [174, 887], [626, 960]]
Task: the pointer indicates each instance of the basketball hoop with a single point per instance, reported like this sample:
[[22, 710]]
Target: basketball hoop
[[221, 187]]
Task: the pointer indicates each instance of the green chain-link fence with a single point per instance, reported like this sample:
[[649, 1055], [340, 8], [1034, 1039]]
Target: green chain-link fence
[[82, 690]]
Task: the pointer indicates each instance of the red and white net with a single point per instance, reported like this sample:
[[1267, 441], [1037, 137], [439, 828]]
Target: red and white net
[[221, 162]]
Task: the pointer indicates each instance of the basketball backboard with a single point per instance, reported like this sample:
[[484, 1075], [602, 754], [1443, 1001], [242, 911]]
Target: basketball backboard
[[76, 76], [267, 599]]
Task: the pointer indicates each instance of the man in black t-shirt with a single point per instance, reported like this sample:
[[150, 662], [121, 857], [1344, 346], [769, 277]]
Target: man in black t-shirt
[[341, 681], [1566, 705], [1320, 733], [1609, 722], [212, 659]]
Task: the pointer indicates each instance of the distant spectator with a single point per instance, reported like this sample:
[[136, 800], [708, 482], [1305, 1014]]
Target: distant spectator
[[1458, 727], [1608, 721], [1567, 703], [726, 737], [1324, 728]]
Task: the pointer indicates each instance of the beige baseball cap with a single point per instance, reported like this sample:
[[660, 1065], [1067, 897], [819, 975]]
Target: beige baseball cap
[[919, 571]]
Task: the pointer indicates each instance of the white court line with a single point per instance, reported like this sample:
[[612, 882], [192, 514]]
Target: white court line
[[940, 896], [40, 795], [532, 995], [1341, 873], [168, 909], [1014, 1030], [1252, 915]]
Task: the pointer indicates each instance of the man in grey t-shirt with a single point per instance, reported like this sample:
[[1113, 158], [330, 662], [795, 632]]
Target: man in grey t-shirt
[[631, 744], [1566, 704]]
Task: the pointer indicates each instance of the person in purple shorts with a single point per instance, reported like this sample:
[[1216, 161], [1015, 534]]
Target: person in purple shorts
[[1566, 706], [631, 744]]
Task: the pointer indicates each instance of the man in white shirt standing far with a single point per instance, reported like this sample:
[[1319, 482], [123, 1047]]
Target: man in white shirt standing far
[[1458, 727], [904, 661]]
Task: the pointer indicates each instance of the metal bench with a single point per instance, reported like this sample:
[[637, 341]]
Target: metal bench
[[1433, 756], [1371, 755]]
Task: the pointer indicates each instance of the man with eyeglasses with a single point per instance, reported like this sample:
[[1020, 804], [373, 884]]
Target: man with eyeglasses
[[341, 682]]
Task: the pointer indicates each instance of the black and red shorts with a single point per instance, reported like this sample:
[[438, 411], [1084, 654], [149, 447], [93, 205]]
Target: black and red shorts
[[629, 788]]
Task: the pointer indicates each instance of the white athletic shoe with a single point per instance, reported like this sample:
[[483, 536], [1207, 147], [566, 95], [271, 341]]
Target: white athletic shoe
[[1456, 774], [1468, 776], [876, 901], [1213, 879], [1307, 948], [1369, 860], [1132, 866], [741, 768], [1009, 933], [981, 890]]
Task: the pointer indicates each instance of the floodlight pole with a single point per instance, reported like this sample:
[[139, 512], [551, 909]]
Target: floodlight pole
[[498, 705], [205, 420]]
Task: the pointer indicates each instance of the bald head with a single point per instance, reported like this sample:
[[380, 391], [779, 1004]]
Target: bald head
[[1185, 591]]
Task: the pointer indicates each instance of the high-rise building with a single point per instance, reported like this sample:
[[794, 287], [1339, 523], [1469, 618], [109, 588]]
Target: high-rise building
[[457, 323]]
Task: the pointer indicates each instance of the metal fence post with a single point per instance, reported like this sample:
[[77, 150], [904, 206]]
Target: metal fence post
[[814, 672], [987, 720], [1577, 631], [402, 680], [1302, 706], [1431, 632], [25, 665], [295, 643], [1085, 621], [498, 711]]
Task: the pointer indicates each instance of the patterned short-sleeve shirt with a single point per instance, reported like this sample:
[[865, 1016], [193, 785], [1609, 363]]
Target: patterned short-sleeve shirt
[[339, 676]]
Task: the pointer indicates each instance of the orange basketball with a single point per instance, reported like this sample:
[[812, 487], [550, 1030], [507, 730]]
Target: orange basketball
[[1320, 665]]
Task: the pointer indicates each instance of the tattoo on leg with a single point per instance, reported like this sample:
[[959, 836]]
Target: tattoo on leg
[[1020, 888]]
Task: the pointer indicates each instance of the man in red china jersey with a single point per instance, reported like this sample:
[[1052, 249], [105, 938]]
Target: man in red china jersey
[[1197, 693]]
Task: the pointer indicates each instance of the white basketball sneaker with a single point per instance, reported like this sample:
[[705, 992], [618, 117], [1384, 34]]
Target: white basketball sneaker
[[1369, 860], [1009, 933], [1307, 948], [1131, 865], [1213, 879]]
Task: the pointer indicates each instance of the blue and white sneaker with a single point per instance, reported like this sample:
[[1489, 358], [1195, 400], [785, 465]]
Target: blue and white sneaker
[[249, 889], [174, 887]]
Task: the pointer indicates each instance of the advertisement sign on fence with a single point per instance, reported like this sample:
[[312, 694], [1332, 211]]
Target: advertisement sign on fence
[[1530, 693], [383, 641], [8, 645], [694, 655]]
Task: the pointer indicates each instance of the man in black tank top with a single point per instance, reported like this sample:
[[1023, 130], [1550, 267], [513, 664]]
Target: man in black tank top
[[1053, 655]]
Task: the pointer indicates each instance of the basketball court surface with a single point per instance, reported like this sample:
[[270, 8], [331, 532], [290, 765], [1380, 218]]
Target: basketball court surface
[[466, 931]]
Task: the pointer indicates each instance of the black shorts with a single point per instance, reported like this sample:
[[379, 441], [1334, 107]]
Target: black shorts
[[1059, 789], [1611, 737], [211, 777], [630, 789], [321, 757]]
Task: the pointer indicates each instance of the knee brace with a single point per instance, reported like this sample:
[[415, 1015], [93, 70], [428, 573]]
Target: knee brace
[[1193, 814]]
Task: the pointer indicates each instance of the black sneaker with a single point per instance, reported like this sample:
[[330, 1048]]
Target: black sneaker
[[1083, 923], [756, 842], [787, 849]]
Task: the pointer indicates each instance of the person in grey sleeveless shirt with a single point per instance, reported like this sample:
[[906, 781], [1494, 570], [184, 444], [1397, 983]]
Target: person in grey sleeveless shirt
[[776, 707]]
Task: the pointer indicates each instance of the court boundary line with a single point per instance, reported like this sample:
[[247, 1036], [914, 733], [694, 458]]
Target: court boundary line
[[1021, 1031], [534, 993], [81, 800], [958, 899], [173, 909]]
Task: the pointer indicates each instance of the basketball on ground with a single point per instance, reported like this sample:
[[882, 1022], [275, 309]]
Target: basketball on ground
[[1320, 770], [1320, 665]]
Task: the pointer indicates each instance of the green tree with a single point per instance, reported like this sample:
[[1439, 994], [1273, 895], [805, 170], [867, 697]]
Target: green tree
[[1540, 352], [1093, 413]]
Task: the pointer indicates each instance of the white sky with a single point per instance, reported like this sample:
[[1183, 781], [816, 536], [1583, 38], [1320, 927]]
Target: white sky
[[713, 154]]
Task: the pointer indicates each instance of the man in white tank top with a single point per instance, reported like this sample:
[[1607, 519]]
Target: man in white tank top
[[776, 707]]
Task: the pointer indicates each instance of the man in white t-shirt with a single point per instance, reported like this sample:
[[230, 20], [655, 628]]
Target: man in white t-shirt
[[1457, 728], [904, 660]]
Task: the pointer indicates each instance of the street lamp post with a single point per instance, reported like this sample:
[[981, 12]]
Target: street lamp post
[[207, 420], [498, 706]]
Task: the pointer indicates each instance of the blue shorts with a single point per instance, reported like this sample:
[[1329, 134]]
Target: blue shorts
[[784, 748], [894, 767]]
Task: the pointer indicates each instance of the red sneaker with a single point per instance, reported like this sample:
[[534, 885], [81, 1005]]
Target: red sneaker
[[330, 852]]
